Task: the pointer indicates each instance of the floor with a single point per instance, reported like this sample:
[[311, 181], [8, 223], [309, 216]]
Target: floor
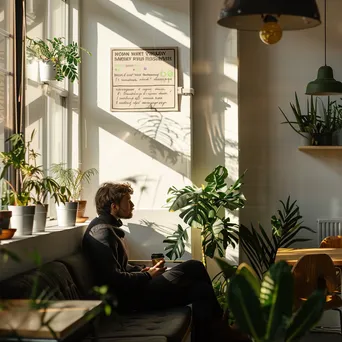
[[317, 337]]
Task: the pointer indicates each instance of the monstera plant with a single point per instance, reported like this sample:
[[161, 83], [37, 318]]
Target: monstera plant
[[264, 310], [205, 208]]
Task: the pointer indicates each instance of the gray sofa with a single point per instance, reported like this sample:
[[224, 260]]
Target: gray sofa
[[71, 279]]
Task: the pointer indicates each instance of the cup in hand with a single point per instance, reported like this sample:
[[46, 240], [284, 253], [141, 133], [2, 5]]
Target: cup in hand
[[156, 257]]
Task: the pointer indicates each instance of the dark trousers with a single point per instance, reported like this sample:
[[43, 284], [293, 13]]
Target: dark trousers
[[186, 283]]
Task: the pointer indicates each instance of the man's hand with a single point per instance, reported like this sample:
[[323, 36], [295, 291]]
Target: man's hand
[[157, 269]]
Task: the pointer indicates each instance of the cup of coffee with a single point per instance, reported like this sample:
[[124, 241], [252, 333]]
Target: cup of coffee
[[156, 257]]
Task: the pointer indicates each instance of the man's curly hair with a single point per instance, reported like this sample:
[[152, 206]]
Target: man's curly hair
[[109, 193]]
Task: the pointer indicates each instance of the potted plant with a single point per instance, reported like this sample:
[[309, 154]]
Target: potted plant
[[315, 128], [304, 123], [264, 310], [73, 179], [205, 208], [56, 59], [32, 187]]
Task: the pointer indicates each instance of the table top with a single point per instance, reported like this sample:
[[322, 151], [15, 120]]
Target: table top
[[291, 255], [67, 316]]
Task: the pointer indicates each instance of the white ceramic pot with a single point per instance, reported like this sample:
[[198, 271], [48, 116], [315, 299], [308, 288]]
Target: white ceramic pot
[[66, 214], [22, 218], [46, 71], [39, 221]]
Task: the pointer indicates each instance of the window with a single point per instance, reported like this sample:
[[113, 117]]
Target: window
[[6, 68]]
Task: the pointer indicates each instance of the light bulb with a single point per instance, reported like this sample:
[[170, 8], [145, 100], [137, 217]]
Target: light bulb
[[271, 32]]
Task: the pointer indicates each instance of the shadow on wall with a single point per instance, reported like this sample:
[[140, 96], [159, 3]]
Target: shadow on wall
[[148, 236]]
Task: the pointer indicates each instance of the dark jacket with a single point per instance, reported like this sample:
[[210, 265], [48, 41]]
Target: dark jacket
[[106, 252]]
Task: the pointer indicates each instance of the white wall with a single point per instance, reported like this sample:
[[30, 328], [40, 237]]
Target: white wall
[[153, 155], [269, 76]]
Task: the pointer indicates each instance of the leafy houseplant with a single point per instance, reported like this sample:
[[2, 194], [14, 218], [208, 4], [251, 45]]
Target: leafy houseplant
[[64, 58], [265, 310], [73, 180], [260, 249], [204, 208], [32, 188], [317, 124]]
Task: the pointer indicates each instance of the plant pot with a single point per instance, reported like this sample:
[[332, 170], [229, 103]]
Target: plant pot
[[305, 139], [39, 221], [22, 218], [81, 208], [47, 71], [322, 139], [337, 137], [5, 218], [32, 70], [66, 214]]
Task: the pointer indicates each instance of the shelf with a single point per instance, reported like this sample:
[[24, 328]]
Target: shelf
[[319, 148]]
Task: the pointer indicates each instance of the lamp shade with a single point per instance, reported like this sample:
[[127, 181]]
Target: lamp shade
[[325, 84], [248, 15]]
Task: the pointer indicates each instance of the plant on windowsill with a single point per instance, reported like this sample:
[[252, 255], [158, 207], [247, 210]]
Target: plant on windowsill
[[56, 59], [73, 179], [205, 208], [264, 309], [32, 188]]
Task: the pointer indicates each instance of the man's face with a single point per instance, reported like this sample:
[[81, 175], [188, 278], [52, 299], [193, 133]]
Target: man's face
[[125, 209]]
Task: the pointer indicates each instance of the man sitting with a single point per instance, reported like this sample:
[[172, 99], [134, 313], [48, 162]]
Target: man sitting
[[149, 288]]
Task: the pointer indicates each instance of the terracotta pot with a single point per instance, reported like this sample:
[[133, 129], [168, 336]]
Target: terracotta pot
[[81, 208]]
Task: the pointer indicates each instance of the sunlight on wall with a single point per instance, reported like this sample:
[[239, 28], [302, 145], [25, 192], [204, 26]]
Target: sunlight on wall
[[231, 71], [150, 179], [150, 17]]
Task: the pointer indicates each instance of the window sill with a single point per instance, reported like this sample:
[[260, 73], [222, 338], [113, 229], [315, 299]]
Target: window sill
[[51, 227]]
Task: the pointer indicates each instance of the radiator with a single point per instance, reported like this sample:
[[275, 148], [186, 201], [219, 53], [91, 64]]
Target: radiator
[[328, 227]]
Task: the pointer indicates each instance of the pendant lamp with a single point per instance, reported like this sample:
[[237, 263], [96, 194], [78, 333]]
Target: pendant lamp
[[325, 84], [269, 17]]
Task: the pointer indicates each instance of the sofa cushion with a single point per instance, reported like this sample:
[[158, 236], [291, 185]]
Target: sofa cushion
[[171, 323], [53, 277], [80, 271]]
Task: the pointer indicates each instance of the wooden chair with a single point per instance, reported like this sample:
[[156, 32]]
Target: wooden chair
[[317, 271], [334, 242], [331, 242]]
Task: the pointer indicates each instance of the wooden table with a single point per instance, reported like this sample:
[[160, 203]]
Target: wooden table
[[291, 255], [68, 317]]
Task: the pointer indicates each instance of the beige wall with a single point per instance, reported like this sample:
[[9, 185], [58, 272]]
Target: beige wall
[[269, 76]]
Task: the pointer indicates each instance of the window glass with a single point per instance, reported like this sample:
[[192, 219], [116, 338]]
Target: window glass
[[46, 102]]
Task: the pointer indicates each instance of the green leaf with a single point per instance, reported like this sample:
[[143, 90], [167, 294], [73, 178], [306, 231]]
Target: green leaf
[[306, 317], [276, 296], [245, 307], [176, 243], [250, 276], [227, 269]]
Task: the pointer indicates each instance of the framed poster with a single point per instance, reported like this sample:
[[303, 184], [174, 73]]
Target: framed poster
[[144, 79]]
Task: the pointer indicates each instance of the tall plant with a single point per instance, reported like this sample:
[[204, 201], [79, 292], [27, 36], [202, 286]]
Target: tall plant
[[205, 208], [72, 179], [264, 310], [261, 249]]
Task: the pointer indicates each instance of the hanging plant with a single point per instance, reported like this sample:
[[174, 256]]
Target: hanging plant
[[63, 58]]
